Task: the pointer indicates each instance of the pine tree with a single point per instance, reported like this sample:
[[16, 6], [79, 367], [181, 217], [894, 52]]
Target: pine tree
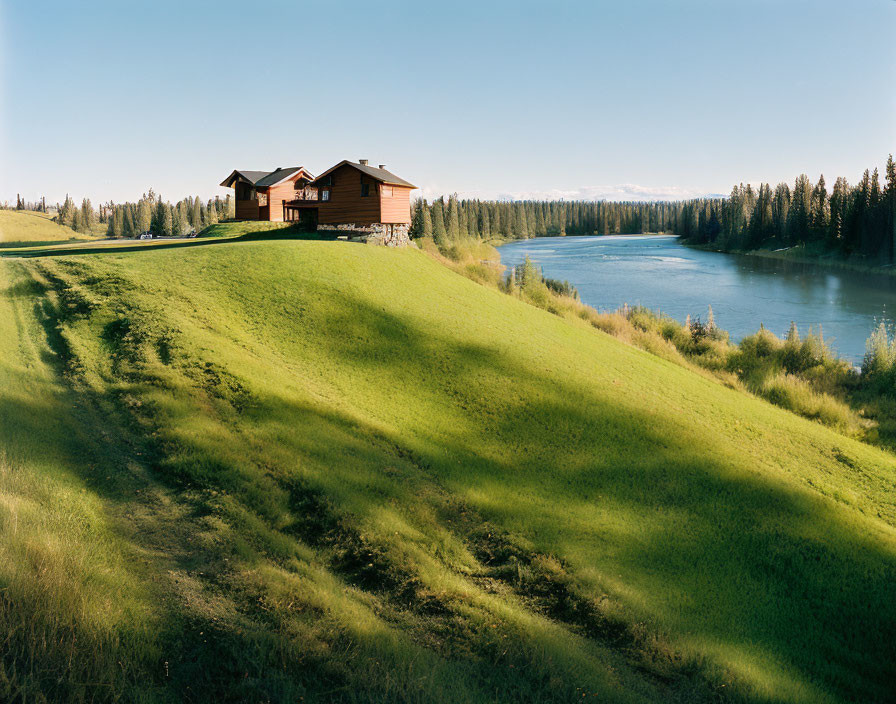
[[875, 192], [212, 213], [540, 229], [820, 214], [522, 222], [157, 225], [88, 216], [453, 223], [76, 220], [839, 202], [781, 209], [800, 208], [144, 216], [66, 212], [167, 224], [116, 224], [416, 228], [473, 219], [439, 233], [183, 222], [427, 220], [890, 199], [485, 226], [196, 215], [761, 225], [861, 202]]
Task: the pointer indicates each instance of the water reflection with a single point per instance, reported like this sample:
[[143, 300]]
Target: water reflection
[[744, 291]]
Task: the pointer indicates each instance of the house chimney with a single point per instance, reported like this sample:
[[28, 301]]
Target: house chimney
[[362, 162], [382, 166]]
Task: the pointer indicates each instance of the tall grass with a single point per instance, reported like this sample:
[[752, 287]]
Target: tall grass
[[65, 592], [802, 376]]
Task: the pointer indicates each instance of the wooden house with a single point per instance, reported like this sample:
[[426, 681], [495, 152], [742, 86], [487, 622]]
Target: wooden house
[[350, 198], [259, 194]]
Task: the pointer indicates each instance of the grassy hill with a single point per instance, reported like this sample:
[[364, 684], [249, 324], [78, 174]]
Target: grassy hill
[[25, 227], [286, 470]]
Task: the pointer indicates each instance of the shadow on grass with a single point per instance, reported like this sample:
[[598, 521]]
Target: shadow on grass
[[634, 506], [44, 243], [288, 233], [760, 570]]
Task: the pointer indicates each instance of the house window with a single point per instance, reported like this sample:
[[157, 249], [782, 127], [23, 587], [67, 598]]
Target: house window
[[387, 191], [325, 194], [244, 191], [365, 189]]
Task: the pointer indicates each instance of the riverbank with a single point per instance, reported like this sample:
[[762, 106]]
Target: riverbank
[[800, 254], [744, 291], [498, 240]]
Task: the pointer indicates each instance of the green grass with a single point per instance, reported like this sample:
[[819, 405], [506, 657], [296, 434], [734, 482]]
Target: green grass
[[240, 228], [27, 228], [274, 470]]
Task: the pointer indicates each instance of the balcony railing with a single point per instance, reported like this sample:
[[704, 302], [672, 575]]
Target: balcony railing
[[305, 195]]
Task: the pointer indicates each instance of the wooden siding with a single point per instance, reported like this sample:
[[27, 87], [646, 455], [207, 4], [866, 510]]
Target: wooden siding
[[277, 194], [346, 204], [395, 209], [246, 210]]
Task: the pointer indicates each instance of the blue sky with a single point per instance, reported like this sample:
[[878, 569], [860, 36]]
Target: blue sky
[[642, 98]]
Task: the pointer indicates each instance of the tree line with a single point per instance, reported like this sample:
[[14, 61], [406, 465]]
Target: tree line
[[849, 220], [149, 214], [452, 219], [162, 219]]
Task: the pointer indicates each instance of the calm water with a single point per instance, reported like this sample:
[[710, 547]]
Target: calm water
[[661, 274]]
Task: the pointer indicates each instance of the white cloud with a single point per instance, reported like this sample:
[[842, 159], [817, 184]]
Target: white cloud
[[619, 192]]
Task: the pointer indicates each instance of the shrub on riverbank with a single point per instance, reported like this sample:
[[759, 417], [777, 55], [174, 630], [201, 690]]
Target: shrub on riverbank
[[800, 374], [470, 257]]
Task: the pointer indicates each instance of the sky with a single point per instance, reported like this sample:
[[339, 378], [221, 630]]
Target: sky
[[631, 99]]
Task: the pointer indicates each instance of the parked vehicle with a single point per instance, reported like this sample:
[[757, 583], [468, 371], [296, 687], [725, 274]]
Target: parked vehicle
[[146, 236]]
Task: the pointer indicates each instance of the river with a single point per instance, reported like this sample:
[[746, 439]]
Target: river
[[663, 275]]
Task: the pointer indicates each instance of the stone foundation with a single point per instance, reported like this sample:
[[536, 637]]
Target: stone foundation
[[378, 233]]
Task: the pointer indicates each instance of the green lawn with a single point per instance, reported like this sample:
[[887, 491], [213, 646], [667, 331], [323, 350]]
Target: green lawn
[[268, 470], [24, 228]]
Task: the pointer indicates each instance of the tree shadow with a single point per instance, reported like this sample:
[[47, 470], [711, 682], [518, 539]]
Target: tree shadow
[[736, 562], [749, 563]]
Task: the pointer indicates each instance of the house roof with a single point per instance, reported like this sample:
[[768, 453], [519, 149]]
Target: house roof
[[263, 179], [373, 172], [250, 176], [279, 175]]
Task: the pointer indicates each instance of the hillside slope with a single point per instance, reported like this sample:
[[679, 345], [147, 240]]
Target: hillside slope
[[24, 227], [260, 471]]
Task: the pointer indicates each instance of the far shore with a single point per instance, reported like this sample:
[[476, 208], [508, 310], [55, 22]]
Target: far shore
[[798, 255]]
